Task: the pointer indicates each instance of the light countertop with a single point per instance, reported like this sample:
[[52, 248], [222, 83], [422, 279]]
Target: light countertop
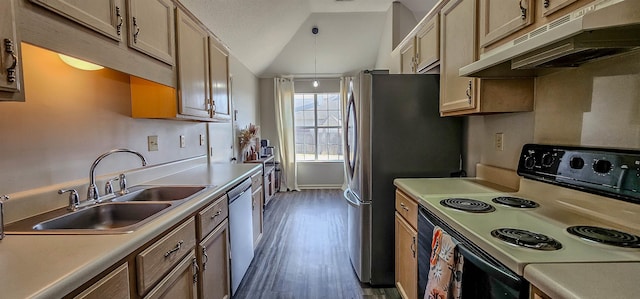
[[51, 266]]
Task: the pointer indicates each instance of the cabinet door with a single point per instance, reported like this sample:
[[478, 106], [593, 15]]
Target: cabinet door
[[9, 53], [548, 7], [213, 254], [406, 259], [151, 28], [428, 44], [458, 48], [219, 68], [105, 16], [256, 204], [180, 282], [114, 285], [408, 58], [193, 67], [500, 18]]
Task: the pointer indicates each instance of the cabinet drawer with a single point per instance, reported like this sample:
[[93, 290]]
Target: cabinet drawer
[[211, 216], [256, 181], [407, 207], [114, 285], [155, 261]]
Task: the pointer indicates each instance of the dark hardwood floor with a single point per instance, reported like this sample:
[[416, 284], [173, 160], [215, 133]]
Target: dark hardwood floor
[[303, 252]]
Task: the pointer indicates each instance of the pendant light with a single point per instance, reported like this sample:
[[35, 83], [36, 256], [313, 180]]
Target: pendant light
[[315, 31]]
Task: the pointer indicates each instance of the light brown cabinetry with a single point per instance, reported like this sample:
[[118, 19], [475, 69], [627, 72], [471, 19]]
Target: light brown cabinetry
[[149, 22], [428, 44], [459, 47], [10, 74], [157, 259], [203, 72], [408, 57], [547, 8], [499, 18], [213, 250], [180, 282], [151, 28], [114, 285], [268, 177], [257, 206], [538, 294], [406, 245]]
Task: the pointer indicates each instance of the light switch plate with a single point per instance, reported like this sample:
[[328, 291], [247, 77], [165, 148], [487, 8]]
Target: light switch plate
[[152, 143], [182, 141]]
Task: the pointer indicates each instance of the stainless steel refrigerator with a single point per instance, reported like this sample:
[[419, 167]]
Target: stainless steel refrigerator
[[393, 129]]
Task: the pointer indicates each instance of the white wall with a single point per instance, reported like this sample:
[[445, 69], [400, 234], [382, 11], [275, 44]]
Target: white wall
[[244, 96], [399, 22]]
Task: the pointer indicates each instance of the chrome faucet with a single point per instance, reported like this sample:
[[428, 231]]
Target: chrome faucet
[[92, 193]]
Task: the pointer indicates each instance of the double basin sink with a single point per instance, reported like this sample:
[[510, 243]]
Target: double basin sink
[[120, 214]]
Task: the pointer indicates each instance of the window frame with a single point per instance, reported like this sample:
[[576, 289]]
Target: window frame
[[315, 127]]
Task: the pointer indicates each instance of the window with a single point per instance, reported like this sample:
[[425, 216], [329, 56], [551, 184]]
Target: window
[[318, 122]]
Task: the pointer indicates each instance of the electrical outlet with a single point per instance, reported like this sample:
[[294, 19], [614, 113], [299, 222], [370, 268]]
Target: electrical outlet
[[152, 143], [201, 140], [499, 142], [182, 141]]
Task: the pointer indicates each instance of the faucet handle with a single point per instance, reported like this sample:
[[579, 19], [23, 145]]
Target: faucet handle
[[108, 186], [74, 199], [123, 184]]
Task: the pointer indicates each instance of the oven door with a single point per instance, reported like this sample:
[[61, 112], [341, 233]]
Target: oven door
[[482, 277]]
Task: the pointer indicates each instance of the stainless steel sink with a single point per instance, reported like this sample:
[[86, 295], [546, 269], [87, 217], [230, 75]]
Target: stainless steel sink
[[160, 193], [106, 218]]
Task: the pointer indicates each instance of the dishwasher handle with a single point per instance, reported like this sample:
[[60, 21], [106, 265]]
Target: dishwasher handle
[[239, 190]]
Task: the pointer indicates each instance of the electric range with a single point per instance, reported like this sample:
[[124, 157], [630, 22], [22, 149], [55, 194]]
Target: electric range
[[566, 191]]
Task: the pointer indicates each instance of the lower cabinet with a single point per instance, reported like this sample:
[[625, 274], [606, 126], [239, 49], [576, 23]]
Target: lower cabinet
[[257, 204], [114, 285], [213, 259], [406, 259], [180, 282]]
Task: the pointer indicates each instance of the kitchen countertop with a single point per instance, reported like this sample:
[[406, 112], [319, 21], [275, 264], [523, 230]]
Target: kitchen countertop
[[585, 280], [561, 280], [51, 266]]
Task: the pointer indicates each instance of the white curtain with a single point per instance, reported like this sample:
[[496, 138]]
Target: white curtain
[[345, 89], [284, 94]]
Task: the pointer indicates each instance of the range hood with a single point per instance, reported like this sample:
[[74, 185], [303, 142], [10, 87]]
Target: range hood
[[601, 29]]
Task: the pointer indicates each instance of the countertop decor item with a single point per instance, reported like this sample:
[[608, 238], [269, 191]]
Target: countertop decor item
[[248, 143]]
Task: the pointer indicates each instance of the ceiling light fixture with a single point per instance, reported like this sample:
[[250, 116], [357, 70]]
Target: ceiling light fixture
[[315, 31], [80, 64]]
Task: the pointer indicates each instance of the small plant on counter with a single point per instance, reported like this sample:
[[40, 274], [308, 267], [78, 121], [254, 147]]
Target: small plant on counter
[[248, 138]]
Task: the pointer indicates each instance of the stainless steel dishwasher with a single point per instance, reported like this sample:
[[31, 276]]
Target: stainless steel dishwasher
[[240, 232]]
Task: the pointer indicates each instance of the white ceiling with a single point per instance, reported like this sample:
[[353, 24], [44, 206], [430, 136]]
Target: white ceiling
[[273, 37]]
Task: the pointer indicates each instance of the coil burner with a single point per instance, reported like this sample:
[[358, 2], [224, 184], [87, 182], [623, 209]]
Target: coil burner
[[467, 205], [605, 236], [516, 202], [526, 239]]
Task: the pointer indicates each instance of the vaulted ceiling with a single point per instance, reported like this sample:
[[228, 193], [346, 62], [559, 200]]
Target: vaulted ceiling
[[273, 37]]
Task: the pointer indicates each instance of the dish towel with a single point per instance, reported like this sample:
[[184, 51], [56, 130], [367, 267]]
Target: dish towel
[[445, 268]]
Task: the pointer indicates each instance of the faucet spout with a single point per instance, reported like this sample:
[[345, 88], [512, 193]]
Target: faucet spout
[[92, 193]]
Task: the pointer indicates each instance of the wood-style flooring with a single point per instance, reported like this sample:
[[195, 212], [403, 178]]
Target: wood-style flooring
[[303, 252]]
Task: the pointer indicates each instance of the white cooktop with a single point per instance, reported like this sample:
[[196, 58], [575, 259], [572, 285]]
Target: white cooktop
[[559, 208]]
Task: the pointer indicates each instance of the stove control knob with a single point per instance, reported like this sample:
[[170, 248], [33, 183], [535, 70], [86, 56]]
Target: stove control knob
[[529, 162], [548, 159], [602, 166], [576, 163]]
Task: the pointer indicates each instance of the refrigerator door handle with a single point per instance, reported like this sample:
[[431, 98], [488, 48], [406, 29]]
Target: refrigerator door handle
[[350, 200]]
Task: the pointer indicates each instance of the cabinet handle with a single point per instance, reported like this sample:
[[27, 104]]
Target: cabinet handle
[[11, 71], [469, 92], [178, 246], [413, 247], [135, 35], [547, 3], [216, 214], [207, 104], [206, 259], [119, 26], [523, 11], [196, 269]]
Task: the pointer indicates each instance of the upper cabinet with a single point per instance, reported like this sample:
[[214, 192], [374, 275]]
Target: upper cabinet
[[149, 22], [499, 18], [219, 80], [10, 75], [106, 17], [428, 44], [151, 28], [408, 57], [547, 8], [459, 47]]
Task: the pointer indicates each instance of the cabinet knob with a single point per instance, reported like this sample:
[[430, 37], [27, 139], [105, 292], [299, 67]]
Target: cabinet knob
[[120, 21], [11, 70], [137, 28], [547, 3], [469, 91], [523, 11]]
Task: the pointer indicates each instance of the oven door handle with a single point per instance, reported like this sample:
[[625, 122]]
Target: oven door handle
[[490, 269]]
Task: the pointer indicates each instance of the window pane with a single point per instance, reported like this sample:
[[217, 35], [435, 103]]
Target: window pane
[[305, 144], [329, 144], [327, 109]]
